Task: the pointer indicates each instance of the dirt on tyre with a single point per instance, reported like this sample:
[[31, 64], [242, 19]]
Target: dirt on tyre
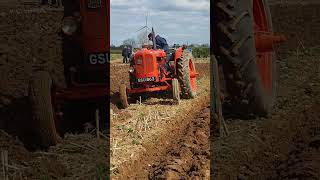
[[42, 110], [186, 75], [123, 96], [249, 75]]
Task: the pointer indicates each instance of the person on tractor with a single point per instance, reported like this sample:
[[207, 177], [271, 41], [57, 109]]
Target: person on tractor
[[162, 44]]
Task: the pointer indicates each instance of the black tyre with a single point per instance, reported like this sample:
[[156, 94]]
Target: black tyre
[[42, 110], [185, 67], [234, 46]]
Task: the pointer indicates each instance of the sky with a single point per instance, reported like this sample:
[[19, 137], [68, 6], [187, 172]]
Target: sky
[[178, 21]]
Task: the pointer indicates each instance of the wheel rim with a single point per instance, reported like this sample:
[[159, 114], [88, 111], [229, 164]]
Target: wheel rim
[[193, 80], [265, 62]]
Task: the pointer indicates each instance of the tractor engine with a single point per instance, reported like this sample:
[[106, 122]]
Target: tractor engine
[[147, 66]]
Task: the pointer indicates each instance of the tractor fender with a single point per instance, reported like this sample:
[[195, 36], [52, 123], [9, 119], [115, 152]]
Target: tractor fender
[[178, 53]]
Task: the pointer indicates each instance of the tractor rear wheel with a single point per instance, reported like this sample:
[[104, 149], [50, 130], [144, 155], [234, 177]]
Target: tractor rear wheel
[[175, 90], [123, 96], [249, 74], [42, 110], [186, 75]]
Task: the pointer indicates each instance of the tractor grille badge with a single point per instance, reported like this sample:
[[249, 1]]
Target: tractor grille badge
[[139, 61]]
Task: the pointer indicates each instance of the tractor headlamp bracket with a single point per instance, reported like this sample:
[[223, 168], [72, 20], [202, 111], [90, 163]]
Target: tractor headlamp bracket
[[131, 69]]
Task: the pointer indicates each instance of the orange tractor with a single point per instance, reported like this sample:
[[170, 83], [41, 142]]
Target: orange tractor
[[85, 34], [243, 46], [148, 74]]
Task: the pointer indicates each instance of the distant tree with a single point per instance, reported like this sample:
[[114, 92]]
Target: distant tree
[[131, 42], [200, 52], [142, 38], [204, 45]]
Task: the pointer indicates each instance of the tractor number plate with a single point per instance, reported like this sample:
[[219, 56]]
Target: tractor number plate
[[98, 58], [146, 79]]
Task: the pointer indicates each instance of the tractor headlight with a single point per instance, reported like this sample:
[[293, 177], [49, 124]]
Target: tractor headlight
[[131, 70], [69, 25]]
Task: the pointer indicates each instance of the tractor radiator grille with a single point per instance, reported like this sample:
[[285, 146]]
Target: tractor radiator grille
[[148, 64]]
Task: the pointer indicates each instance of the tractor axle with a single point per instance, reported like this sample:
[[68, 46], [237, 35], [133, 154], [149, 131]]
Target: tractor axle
[[265, 41]]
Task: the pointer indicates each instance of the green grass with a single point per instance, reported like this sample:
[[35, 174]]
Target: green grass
[[115, 51], [115, 56]]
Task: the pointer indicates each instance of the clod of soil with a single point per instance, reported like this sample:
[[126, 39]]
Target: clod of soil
[[189, 156]]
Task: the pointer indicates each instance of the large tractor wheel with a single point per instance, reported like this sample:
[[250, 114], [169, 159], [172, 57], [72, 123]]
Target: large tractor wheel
[[186, 75], [249, 73], [123, 96], [42, 110]]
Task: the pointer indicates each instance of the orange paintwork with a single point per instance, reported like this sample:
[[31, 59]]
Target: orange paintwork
[[264, 40], [94, 37], [148, 62], [95, 27]]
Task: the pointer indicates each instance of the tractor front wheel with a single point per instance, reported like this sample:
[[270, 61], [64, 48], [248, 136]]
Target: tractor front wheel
[[123, 96], [42, 110], [186, 75]]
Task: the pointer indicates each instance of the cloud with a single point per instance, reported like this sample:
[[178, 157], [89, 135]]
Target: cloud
[[179, 21]]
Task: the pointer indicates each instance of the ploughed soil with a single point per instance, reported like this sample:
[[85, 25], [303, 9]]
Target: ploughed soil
[[189, 155], [159, 135], [29, 42], [286, 144]]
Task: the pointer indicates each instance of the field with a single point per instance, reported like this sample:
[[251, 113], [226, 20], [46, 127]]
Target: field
[[148, 132], [167, 140], [29, 42], [286, 144]]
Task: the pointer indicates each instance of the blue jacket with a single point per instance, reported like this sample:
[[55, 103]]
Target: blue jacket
[[162, 43], [125, 52]]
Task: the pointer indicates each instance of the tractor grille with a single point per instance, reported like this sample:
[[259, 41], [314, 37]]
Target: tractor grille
[[148, 64]]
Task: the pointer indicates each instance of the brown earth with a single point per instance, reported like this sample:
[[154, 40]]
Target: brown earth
[[30, 41], [175, 131], [183, 137], [189, 156], [276, 147], [286, 144]]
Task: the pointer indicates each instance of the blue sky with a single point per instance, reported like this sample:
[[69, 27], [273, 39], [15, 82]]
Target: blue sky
[[179, 21]]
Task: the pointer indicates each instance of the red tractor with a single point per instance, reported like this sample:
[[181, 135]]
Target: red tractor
[[85, 32], [147, 73], [243, 44]]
